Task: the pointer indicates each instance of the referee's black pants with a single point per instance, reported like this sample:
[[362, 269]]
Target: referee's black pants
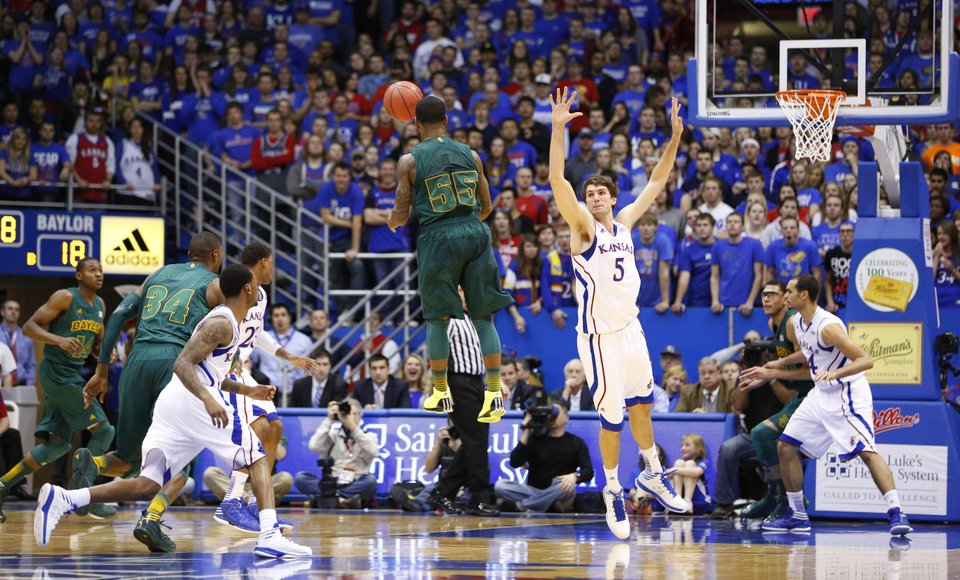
[[471, 465]]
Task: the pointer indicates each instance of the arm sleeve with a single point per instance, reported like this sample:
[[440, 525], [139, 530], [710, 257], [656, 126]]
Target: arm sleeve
[[319, 442], [128, 309], [266, 343], [583, 460], [111, 157], [519, 455], [71, 147]]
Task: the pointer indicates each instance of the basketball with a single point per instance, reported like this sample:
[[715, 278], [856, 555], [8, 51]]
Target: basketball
[[401, 100]]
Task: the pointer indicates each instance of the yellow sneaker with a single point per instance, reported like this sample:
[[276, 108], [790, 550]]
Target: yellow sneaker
[[492, 408], [438, 402]]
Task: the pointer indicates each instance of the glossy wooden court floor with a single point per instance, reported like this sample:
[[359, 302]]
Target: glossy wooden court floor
[[391, 544]]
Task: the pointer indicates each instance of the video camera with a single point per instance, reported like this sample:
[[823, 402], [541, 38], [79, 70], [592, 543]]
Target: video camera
[[328, 485], [541, 416], [754, 351]]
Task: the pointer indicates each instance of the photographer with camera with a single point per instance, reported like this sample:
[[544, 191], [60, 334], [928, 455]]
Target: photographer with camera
[[758, 391], [349, 452], [556, 462]]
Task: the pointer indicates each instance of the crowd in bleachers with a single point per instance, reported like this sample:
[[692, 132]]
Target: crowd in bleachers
[[290, 94]]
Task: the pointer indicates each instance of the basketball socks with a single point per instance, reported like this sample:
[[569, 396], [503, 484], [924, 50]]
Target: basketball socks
[[613, 479], [795, 498], [892, 499], [440, 380], [493, 379], [652, 459], [18, 473], [78, 497], [268, 523], [159, 505], [235, 490]]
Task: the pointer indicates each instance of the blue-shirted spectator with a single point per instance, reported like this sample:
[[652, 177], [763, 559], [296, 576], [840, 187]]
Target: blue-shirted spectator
[[279, 12], [695, 263], [379, 204], [340, 204], [556, 280], [174, 42], [146, 93], [17, 167], [326, 15], [653, 252], [202, 110], [25, 59], [552, 28], [53, 164], [342, 126], [151, 43], [791, 256], [738, 268]]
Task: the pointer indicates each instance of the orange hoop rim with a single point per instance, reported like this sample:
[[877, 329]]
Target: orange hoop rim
[[820, 103]]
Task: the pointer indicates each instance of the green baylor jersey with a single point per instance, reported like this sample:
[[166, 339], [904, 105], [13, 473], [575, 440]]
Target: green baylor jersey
[[784, 349], [446, 182], [173, 303], [83, 321]]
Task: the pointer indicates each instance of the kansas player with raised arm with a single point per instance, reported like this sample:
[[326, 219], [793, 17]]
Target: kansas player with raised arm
[[611, 342], [192, 413], [839, 409]]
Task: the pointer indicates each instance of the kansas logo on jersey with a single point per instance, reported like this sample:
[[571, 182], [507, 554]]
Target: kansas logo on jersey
[[623, 247]]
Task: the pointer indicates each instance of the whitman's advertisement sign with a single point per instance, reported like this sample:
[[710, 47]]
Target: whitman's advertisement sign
[[920, 472], [896, 349]]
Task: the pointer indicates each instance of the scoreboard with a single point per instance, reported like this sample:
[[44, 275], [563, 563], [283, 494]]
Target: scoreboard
[[37, 242]]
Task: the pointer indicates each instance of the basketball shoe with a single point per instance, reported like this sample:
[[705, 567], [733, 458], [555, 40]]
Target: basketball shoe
[[274, 544], [149, 534], [236, 515], [52, 505], [438, 402], [658, 485], [616, 513], [788, 523], [254, 510], [492, 408], [899, 524]]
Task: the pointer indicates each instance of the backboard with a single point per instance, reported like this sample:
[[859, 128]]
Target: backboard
[[747, 50]]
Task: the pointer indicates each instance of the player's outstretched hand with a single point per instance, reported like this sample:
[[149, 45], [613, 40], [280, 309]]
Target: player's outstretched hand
[[218, 414], [262, 392], [96, 388], [676, 122], [305, 364], [561, 103]]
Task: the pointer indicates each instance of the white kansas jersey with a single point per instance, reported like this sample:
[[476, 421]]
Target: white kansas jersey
[[213, 369], [252, 326], [607, 282], [819, 356]]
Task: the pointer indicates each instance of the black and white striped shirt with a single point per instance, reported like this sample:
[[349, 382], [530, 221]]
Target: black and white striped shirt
[[466, 357]]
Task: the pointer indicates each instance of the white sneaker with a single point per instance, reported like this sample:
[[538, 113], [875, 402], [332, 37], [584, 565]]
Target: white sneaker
[[52, 504], [659, 486], [278, 546], [616, 513]]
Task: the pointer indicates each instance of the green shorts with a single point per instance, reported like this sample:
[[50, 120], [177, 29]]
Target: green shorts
[[781, 419], [459, 252], [63, 412], [146, 372]]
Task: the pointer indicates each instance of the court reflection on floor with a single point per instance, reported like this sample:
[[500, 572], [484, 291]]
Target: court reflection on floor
[[386, 544]]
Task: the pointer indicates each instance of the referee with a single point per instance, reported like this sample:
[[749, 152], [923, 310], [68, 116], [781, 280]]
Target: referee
[[470, 466]]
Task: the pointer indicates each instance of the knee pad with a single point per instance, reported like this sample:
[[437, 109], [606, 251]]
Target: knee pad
[[49, 451], [489, 338], [765, 442], [101, 438]]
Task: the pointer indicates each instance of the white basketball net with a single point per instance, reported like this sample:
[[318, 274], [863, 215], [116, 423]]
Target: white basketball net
[[812, 114]]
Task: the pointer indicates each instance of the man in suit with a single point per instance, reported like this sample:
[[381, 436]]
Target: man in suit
[[517, 393], [319, 390], [382, 391], [710, 394], [575, 395]]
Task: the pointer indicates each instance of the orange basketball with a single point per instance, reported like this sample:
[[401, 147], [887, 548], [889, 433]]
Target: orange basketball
[[401, 100]]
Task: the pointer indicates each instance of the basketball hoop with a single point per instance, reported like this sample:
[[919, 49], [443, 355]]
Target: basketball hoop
[[812, 114]]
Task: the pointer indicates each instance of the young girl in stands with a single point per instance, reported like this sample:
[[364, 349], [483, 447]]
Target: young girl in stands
[[690, 474]]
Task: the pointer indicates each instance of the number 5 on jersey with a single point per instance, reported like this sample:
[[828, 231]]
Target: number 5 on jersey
[[448, 190]]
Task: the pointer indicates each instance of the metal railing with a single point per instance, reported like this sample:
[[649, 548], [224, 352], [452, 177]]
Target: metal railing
[[211, 196], [70, 202]]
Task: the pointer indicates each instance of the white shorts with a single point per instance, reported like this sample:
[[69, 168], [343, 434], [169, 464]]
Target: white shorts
[[181, 429], [255, 407], [618, 371], [842, 416]]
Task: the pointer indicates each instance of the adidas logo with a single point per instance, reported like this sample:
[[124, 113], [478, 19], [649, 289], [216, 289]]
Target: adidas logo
[[132, 251], [127, 243]]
